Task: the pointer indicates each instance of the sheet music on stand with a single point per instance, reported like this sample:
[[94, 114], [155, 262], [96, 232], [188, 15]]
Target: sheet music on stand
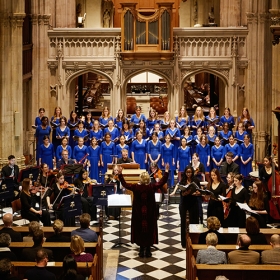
[[120, 200]]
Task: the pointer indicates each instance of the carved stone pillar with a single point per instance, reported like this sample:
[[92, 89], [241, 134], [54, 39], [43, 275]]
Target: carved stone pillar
[[11, 126], [230, 14], [65, 13], [258, 83]]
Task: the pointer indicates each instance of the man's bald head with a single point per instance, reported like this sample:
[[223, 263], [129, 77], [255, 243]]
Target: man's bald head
[[8, 220], [244, 240], [275, 240]]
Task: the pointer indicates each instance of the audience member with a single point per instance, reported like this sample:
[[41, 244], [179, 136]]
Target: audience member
[[243, 255], [211, 255], [70, 269], [8, 222], [77, 247], [29, 254], [272, 256], [213, 225], [5, 252], [40, 271], [253, 231], [32, 227], [5, 270], [58, 236], [84, 231]]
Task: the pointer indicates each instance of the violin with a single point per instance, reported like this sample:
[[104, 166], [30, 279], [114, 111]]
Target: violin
[[67, 186]]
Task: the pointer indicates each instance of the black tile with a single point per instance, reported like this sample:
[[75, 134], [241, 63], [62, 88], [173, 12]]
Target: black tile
[[173, 269], [145, 268]]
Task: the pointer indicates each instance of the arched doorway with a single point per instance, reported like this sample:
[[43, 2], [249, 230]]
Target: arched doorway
[[92, 92], [148, 90]]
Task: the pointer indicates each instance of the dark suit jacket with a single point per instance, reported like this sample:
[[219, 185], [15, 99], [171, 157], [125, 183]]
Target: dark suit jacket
[[243, 256], [7, 254], [7, 171], [29, 254], [202, 237], [271, 256], [59, 238], [15, 236], [226, 168]]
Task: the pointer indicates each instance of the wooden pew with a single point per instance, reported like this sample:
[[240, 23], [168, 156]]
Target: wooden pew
[[85, 268], [60, 249], [231, 237]]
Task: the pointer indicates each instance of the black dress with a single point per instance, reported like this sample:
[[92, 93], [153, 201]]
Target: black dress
[[237, 216], [26, 204], [188, 203], [215, 207], [262, 218]]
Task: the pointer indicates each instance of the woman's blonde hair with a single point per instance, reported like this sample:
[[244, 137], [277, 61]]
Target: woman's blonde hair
[[77, 245], [211, 239], [145, 178], [213, 223], [58, 226]]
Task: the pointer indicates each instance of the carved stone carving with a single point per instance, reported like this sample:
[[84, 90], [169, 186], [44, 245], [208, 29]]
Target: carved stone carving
[[252, 18], [69, 73], [53, 88], [128, 72], [16, 20]]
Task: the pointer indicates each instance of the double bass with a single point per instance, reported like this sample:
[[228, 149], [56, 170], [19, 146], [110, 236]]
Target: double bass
[[274, 188]]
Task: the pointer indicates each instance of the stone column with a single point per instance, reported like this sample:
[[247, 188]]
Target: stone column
[[230, 13], [12, 15], [258, 83], [65, 13]]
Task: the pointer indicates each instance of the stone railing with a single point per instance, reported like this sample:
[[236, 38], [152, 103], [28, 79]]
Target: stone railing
[[84, 44], [210, 42]]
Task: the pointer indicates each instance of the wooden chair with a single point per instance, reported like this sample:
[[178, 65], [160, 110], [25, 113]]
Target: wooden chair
[[16, 206]]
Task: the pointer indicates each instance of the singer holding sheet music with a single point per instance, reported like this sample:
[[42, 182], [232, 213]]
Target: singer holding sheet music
[[144, 231], [188, 200], [217, 187], [27, 211]]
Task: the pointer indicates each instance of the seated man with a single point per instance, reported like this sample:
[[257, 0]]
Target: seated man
[[40, 271], [211, 255], [84, 231], [29, 254], [32, 227], [243, 255], [8, 222], [228, 165], [272, 256], [64, 160], [124, 158], [12, 170], [5, 252]]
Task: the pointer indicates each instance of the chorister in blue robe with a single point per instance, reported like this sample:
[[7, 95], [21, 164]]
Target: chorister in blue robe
[[174, 133], [235, 149], [39, 134], [184, 158], [229, 120], [107, 151], [83, 133], [94, 158], [119, 149], [98, 135], [168, 156], [154, 149], [79, 153], [115, 133], [140, 152], [245, 153], [203, 153], [217, 153], [47, 154]]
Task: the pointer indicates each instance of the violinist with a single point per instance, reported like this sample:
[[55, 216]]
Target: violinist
[[114, 213], [156, 175], [259, 202], [46, 176], [83, 183], [60, 188], [27, 211]]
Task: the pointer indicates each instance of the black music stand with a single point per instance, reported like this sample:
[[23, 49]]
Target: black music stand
[[119, 201], [70, 170], [6, 190], [29, 172]]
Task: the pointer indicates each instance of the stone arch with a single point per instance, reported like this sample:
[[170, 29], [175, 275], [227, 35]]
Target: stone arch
[[164, 73]]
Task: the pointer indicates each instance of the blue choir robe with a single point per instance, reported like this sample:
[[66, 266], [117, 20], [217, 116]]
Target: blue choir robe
[[107, 151], [174, 133], [94, 158], [115, 133], [168, 156], [47, 154], [203, 153], [104, 122], [62, 133], [184, 158], [140, 150], [88, 125], [119, 149], [72, 126], [39, 134], [79, 153], [240, 137], [98, 135], [229, 120], [225, 136], [154, 149], [151, 123], [118, 124], [235, 149], [195, 124], [215, 122], [245, 153], [146, 135], [54, 124], [81, 134], [217, 153]]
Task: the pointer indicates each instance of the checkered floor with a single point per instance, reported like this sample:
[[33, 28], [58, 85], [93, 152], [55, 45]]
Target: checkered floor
[[167, 262]]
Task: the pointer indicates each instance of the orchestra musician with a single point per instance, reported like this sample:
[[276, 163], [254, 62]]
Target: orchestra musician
[[229, 188], [64, 160], [60, 188], [45, 176], [83, 183], [27, 211], [259, 202]]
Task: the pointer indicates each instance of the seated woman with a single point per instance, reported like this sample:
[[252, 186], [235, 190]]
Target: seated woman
[[58, 236], [32, 227], [211, 255], [253, 231], [70, 269], [77, 247], [213, 225], [27, 210]]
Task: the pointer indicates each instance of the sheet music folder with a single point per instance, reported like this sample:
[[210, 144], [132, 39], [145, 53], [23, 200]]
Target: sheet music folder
[[72, 168]]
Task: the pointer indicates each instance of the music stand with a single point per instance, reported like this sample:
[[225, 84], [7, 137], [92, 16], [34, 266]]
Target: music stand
[[6, 190], [70, 170], [119, 200], [72, 205], [28, 172]]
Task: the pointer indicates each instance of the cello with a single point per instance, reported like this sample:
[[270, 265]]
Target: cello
[[274, 188]]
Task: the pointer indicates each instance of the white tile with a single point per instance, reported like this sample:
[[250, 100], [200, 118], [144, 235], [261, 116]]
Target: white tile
[[159, 254], [131, 263], [130, 273], [181, 264], [181, 254], [158, 263], [159, 274], [110, 237], [181, 274]]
